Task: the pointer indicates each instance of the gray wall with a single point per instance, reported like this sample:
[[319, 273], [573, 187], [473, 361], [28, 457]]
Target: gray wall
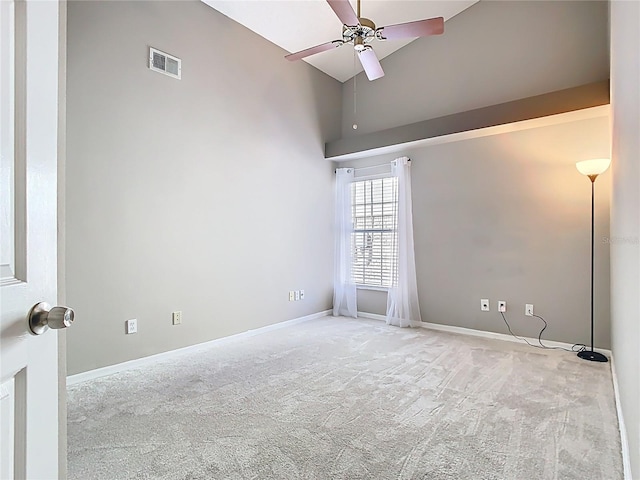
[[503, 217], [625, 215], [508, 217], [208, 195], [493, 52]]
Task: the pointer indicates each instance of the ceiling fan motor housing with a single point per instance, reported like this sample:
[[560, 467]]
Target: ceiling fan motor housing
[[360, 34]]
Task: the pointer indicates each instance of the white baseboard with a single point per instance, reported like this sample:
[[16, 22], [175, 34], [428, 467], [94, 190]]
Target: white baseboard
[[624, 441], [120, 367], [479, 333], [372, 316]]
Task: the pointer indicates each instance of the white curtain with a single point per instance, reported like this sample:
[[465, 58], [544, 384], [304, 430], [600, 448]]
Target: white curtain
[[402, 301], [344, 290]]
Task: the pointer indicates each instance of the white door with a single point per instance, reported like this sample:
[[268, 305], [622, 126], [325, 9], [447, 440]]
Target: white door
[[28, 127]]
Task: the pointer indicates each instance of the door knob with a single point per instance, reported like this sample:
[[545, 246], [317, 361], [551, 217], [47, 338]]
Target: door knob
[[42, 317]]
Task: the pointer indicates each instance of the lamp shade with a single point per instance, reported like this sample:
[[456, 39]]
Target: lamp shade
[[593, 167]]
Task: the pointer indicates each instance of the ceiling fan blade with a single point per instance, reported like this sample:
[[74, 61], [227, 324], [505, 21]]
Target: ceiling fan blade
[[344, 11], [370, 63], [420, 28], [313, 50]]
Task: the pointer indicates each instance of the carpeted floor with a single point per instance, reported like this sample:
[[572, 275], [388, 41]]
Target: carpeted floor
[[339, 398]]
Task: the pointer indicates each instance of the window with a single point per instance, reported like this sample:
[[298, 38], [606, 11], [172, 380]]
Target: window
[[374, 241]]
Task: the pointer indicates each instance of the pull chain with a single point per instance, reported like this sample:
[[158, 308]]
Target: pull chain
[[355, 91], [355, 81]]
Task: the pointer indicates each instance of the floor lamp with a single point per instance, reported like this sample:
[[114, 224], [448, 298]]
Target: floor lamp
[[592, 168]]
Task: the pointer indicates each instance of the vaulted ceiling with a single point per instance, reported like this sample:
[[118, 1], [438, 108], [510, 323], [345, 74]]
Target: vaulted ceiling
[[298, 24]]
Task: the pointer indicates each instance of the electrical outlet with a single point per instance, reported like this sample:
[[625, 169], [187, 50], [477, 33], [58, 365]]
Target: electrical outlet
[[502, 306], [301, 294], [176, 318], [131, 326], [291, 296], [484, 304], [528, 310], [297, 293]]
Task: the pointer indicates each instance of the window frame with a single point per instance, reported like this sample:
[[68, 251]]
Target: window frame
[[364, 286]]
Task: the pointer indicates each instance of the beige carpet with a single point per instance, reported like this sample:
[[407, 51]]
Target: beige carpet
[[338, 398]]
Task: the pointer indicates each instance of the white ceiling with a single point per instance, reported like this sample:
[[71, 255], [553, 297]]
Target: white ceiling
[[298, 24]]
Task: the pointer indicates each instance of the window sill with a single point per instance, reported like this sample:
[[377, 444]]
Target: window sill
[[369, 287]]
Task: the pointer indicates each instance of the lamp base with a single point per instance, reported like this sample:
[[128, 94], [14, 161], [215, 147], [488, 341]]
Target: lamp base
[[593, 356]]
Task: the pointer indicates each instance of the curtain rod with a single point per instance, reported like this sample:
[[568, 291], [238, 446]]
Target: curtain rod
[[372, 166]]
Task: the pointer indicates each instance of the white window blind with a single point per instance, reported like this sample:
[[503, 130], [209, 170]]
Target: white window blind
[[374, 241]]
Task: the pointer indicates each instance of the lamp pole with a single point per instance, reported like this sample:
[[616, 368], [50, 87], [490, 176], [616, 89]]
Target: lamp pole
[[591, 354], [593, 185]]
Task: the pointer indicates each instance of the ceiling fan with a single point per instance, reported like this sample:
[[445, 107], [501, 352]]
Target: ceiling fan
[[360, 32]]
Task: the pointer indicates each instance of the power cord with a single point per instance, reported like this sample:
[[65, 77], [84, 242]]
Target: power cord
[[577, 347]]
